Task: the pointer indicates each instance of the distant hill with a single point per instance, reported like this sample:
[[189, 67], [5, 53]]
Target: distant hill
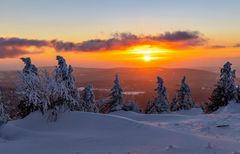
[[217, 69], [139, 83]]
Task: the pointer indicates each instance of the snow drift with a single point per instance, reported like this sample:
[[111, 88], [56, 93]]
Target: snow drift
[[121, 132]]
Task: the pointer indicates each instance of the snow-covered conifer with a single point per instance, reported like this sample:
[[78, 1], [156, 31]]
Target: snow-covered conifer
[[64, 94], [116, 97], [160, 103], [89, 99], [225, 89], [115, 100], [183, 100], [29, 89]]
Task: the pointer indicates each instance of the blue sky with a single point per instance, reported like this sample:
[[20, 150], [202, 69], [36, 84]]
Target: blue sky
[[91, 18]]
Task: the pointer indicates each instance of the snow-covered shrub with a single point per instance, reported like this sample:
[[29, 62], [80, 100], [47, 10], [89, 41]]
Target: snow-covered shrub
[[183, 99], [132, 106], [89, 102], [150, 109], [224, 91], [237, 94], [3, 113], [29, 89], [160, 103], [52, 115]]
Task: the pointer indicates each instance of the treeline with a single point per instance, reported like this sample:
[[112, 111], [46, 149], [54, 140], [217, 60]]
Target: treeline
[[55, 93]]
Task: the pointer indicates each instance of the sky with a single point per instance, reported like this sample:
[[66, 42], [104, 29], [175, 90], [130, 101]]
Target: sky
[[120, 33]]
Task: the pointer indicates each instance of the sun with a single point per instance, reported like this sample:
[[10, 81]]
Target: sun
[[147, 58], [147, 53]]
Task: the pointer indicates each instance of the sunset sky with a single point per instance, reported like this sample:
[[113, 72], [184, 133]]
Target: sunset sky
[[120, 33]]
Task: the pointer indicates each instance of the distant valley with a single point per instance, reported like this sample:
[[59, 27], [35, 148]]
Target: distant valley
[[138, 83]]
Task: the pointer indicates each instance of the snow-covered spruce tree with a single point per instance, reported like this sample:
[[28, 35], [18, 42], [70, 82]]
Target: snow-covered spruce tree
[[183, 99], [132, 106], [224, 91], [160, 103], [3, 113], [115, 100], [62, 90], [29, 89], [116, 97], [89, 99]]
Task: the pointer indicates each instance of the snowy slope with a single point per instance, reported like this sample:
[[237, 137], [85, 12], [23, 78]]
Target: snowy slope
[[185, 132]]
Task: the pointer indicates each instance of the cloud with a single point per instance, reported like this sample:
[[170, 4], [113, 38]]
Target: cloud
[[178, 36], [237, 45], [125, 40], [22, 42], [118, 41], [11, 52], [217, 47], [13, 47]]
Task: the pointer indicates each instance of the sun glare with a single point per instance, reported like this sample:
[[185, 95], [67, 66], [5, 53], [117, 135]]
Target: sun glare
[[148, 53], [147, 49], [147, 58]]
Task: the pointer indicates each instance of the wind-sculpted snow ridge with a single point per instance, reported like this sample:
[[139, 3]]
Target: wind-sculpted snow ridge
[[123, 133]]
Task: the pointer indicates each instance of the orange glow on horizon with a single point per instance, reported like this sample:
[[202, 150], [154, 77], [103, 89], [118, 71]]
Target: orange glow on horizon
[[148, 55]]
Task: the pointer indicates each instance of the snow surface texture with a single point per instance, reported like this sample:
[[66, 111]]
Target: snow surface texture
[[183, 132]]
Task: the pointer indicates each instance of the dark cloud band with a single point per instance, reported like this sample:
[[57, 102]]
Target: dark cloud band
[[217, 47], [13, 47], [124, 40], [237, 45], [22, 42]]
